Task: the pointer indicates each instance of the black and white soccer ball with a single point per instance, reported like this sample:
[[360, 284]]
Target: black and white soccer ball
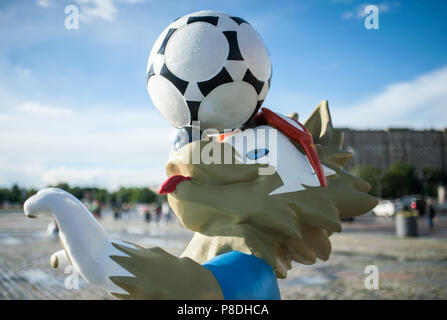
[[211, 67]]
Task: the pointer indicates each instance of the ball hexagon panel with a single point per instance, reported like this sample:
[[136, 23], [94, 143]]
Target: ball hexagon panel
[[219, 66], [196, 52], [254, 52], [233, 101], [169, 101], [155, 49]]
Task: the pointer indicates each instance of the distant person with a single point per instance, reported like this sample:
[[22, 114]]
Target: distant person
[[431, 214], [125, 211], [420, 206], [116, 211], [95, 209], [165, 211], [157, 213], [147, 214]]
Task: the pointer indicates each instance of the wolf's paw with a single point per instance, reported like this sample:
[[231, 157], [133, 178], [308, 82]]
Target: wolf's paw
[[59, 260]]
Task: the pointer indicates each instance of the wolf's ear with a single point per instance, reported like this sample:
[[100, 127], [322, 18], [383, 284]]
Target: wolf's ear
[[329, 140], [320, 126], [294, 115]]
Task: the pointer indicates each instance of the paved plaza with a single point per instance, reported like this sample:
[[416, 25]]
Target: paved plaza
[[409, 268]]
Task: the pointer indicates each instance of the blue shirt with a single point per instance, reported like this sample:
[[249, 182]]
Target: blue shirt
[[244, 277]]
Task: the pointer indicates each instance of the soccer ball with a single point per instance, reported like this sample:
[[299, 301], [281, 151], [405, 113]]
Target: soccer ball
[[211, 67]]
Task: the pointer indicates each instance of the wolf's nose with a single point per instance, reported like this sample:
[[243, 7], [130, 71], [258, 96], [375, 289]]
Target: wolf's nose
[[27, 209]]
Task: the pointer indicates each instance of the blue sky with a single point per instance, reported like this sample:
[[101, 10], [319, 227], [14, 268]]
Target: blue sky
[[74, 107]]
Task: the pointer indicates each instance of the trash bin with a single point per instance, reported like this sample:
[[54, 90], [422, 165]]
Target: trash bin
[[406, 224]]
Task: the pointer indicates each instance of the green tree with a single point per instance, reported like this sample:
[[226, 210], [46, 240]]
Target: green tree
[[135, 195], [102, 195], [30, 192], [125, 194], [64, 186], [15, 194], [3, 196], [147, 196], [433, 178], [77, 192], [399, 180], [115, 197], [370, 174]]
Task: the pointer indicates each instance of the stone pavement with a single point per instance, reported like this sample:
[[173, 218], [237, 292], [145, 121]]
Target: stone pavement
[[409, 268]]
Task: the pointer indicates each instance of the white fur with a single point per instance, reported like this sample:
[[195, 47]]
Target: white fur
[[292, 166], [86, 243]]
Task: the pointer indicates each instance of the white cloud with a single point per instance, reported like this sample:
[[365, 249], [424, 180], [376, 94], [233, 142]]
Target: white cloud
[[359, 11], [347, 15], [35, 108], [22, 72], [44, 144], [384, 7], [102, 9], [420, 103], [110, 178], [45, 3]]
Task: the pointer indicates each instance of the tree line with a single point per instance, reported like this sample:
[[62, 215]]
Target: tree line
[[400, 179], [17, 195]]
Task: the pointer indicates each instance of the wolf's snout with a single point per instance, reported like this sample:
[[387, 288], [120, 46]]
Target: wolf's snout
[[29, 207], [42, 202]]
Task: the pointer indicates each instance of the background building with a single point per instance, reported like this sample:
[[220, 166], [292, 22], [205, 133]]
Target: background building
[[423, 149], [396, 162]]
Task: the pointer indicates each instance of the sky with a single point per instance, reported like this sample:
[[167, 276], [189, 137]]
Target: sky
[[74, 106]]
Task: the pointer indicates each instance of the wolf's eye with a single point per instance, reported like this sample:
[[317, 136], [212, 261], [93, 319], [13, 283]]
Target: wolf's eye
[[257, 153]]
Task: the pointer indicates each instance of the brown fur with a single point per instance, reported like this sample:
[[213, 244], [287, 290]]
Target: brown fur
[[229, 207]]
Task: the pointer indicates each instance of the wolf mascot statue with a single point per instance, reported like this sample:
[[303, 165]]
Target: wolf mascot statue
[[248, 226]]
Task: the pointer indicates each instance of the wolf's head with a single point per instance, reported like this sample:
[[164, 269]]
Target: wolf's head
[[268, 196]]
